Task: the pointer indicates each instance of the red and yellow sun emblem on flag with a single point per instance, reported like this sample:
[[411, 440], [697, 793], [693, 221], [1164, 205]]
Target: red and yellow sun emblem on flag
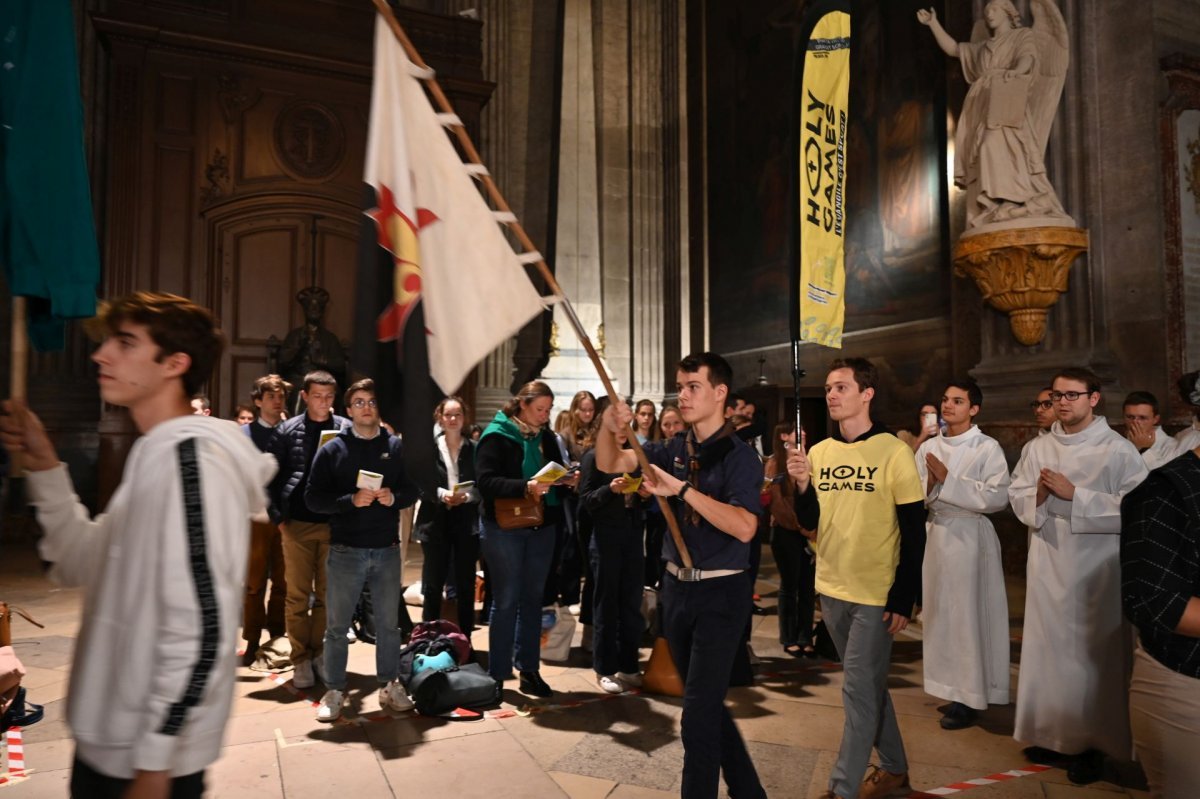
[[398, 235]]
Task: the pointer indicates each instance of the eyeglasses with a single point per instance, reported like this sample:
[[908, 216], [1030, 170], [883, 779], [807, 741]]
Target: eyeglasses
[[364, 403], [1069, 396], [1044, 405]]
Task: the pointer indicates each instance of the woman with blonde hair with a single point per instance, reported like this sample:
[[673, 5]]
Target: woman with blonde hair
[[579, 426]]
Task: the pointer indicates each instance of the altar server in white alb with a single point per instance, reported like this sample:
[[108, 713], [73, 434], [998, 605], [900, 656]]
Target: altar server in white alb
[[1140, 410], [966, 609], [1189, 389], [1077, 650]]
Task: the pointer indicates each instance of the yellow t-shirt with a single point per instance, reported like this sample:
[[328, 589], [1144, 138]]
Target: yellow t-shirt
[[859, 486]]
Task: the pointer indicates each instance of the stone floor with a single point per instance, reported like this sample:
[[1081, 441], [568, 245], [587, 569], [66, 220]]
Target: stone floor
[[586, 745]]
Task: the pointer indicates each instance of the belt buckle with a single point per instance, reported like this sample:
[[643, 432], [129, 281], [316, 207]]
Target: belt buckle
[[688, 575]]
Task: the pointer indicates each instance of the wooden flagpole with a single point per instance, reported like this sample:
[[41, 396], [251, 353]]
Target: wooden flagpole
[[499, 203], [18, 370]]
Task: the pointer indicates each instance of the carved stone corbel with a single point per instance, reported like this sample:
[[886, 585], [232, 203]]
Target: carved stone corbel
[[1021, 272]]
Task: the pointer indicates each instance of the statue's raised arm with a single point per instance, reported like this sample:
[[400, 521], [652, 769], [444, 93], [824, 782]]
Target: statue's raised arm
[[1016, 76]]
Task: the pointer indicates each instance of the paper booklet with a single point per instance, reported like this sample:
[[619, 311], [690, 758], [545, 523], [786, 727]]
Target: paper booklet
[[551, 473], [462, 488], [326, 437], [633, 485], [372, 481]]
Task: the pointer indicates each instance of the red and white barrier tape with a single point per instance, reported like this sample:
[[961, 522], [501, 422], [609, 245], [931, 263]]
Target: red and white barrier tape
[[16, 758], [979, 782]]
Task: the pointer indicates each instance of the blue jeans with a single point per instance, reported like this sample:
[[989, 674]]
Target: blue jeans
[[346, 572], [518, 562]]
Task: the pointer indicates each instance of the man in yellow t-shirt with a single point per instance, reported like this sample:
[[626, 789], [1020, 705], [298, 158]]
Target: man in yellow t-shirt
[[861, 492]]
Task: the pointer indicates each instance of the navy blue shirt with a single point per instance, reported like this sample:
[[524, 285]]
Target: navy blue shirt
[[734, 478], [333, 481], [260, 434]]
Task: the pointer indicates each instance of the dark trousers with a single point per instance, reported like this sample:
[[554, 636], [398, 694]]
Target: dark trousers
[[569, 558], [457, 546], [266, 560], [796, 586], [586, 531], [617, 564], [703, 623], [87, 783], [656, 528]]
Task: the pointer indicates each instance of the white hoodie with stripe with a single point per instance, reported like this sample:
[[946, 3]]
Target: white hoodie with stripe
[[163, 569]]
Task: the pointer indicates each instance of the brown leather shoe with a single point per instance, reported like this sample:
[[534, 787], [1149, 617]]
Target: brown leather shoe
[[879, 784]]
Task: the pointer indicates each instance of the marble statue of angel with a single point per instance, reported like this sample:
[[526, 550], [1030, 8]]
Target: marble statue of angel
[[1016, 76]]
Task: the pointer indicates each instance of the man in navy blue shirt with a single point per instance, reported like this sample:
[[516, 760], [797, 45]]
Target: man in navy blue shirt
[[713, 479], [358, 479]]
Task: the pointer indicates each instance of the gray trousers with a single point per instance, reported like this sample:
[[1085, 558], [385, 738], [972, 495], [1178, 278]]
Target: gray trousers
[[862, 640]]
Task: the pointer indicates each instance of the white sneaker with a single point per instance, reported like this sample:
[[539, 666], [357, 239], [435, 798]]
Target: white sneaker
[[331, 705], [302, 674], [574, 609], [393, 697], [609, 684], [350, 636], [633, 680]]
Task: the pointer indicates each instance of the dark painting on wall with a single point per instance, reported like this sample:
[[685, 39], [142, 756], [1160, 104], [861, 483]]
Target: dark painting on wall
[[897, 259]]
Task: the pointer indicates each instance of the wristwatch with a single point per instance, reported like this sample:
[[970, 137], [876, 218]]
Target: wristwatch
[[683, 491]]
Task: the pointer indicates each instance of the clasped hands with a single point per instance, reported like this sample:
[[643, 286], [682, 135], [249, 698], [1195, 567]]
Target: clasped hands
[[365, 496], [1056, 483]]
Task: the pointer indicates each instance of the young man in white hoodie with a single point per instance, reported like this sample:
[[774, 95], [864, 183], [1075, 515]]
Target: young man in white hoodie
[[152, 679]]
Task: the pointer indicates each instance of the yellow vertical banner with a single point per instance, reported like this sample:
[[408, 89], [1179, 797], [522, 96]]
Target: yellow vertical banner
[[823, 106]]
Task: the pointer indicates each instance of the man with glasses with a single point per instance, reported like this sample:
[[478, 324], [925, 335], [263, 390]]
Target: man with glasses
[[1043, 411], [1076, 654], [358, 479], [305, 531]]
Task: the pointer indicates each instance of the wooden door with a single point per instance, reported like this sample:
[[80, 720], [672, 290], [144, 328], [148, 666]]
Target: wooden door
[[263, 257]]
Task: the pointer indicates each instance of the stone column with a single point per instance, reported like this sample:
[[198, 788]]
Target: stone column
[[577, 263], [646, 201], [519, 41]]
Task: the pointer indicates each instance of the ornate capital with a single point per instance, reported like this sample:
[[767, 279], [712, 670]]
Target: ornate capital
[[1021, 272]]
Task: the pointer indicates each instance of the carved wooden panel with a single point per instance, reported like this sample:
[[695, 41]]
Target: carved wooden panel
[[173, 220], [264, 259]]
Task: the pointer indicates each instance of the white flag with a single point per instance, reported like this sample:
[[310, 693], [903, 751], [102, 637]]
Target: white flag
[[448, 249]]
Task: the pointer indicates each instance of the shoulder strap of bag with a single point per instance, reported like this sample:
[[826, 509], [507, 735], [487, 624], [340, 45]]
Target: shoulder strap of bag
[[6, 611]]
